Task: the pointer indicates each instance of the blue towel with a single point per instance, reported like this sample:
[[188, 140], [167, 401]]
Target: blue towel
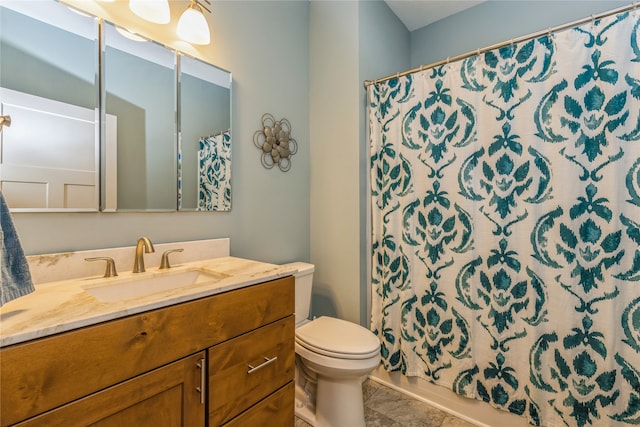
[[16, 278]]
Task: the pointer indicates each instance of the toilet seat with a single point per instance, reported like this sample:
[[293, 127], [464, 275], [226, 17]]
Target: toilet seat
[[337, 338]]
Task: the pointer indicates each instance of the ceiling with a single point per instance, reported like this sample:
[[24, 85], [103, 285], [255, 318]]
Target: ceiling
[[418, 13]]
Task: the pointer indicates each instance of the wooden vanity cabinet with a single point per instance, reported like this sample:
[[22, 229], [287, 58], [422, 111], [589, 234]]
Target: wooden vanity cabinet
[[150, 369], [166, 396]]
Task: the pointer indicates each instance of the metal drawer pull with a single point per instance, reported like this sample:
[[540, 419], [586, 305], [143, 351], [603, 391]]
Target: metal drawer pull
[[203, 380], [262, 365]]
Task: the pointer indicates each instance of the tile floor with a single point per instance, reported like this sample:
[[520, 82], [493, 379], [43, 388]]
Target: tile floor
[[386, 407]]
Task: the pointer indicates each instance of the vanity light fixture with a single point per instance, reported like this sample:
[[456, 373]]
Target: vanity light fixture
[[156, 11], [193, 26]]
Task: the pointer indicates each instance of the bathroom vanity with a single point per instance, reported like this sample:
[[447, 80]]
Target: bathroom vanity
[[219, 353]]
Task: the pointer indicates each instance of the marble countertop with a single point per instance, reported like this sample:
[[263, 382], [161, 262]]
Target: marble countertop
[[65, 305]]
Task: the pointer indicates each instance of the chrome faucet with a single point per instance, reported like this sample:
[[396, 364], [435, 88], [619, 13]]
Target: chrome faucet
[[138, 263]]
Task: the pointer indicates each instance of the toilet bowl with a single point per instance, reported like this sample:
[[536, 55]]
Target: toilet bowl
[[340, 354], [333, 356]]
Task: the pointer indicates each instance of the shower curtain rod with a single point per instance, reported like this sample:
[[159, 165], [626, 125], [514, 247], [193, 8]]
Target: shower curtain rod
[[530, 36], [217, 134]]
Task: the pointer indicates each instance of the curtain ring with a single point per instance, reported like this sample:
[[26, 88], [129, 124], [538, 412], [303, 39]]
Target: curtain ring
[[448, 60]]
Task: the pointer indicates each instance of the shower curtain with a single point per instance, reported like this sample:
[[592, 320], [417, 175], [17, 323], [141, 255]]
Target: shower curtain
[[505, 194], [214, 172]]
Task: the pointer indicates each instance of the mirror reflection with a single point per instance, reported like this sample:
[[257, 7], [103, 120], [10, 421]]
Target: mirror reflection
[[48, 86], [159, 141], [204, 169], [140, 88]]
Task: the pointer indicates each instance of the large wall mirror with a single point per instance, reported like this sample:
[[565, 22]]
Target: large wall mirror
[[48, 86], [204, 174], [164, 142], [140, 108]]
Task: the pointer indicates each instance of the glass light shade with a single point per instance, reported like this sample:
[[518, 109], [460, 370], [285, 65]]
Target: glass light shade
[[156, 11], [193, 27]]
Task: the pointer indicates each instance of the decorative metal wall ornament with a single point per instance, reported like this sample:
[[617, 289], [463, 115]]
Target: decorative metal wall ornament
[[276, 143]]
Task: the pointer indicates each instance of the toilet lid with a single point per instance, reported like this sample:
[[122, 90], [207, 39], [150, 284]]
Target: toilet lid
[[337, 337]]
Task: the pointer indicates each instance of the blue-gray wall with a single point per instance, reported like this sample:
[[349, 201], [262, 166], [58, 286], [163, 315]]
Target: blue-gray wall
[[496, 21], [334, 185], [350, 41]]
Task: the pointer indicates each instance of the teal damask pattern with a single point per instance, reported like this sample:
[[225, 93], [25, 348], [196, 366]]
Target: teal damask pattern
[[506, 225], [214, 173]]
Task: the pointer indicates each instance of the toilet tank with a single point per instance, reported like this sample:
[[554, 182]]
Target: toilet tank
[[304, 282]]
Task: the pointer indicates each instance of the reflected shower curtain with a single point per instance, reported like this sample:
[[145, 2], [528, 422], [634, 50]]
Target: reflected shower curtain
[[214, 172], [506, 225]]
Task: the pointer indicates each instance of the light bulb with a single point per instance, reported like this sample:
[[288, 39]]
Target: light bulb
[[193, 27], [156, 11]]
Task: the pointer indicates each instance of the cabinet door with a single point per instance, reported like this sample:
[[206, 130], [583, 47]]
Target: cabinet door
[[166, 397], [246, 369]]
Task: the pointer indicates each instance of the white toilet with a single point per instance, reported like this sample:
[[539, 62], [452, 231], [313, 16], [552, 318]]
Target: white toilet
[[332, 358]]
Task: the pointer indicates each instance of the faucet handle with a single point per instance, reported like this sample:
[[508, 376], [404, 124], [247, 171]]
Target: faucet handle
[[164, 263], [110, 271]]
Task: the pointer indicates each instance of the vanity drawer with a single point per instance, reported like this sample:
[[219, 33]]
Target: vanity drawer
[[275, 410], [42, 374], [246, 369]]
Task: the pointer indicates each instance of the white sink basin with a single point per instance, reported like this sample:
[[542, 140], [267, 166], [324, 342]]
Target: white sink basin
[[115, 289]]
